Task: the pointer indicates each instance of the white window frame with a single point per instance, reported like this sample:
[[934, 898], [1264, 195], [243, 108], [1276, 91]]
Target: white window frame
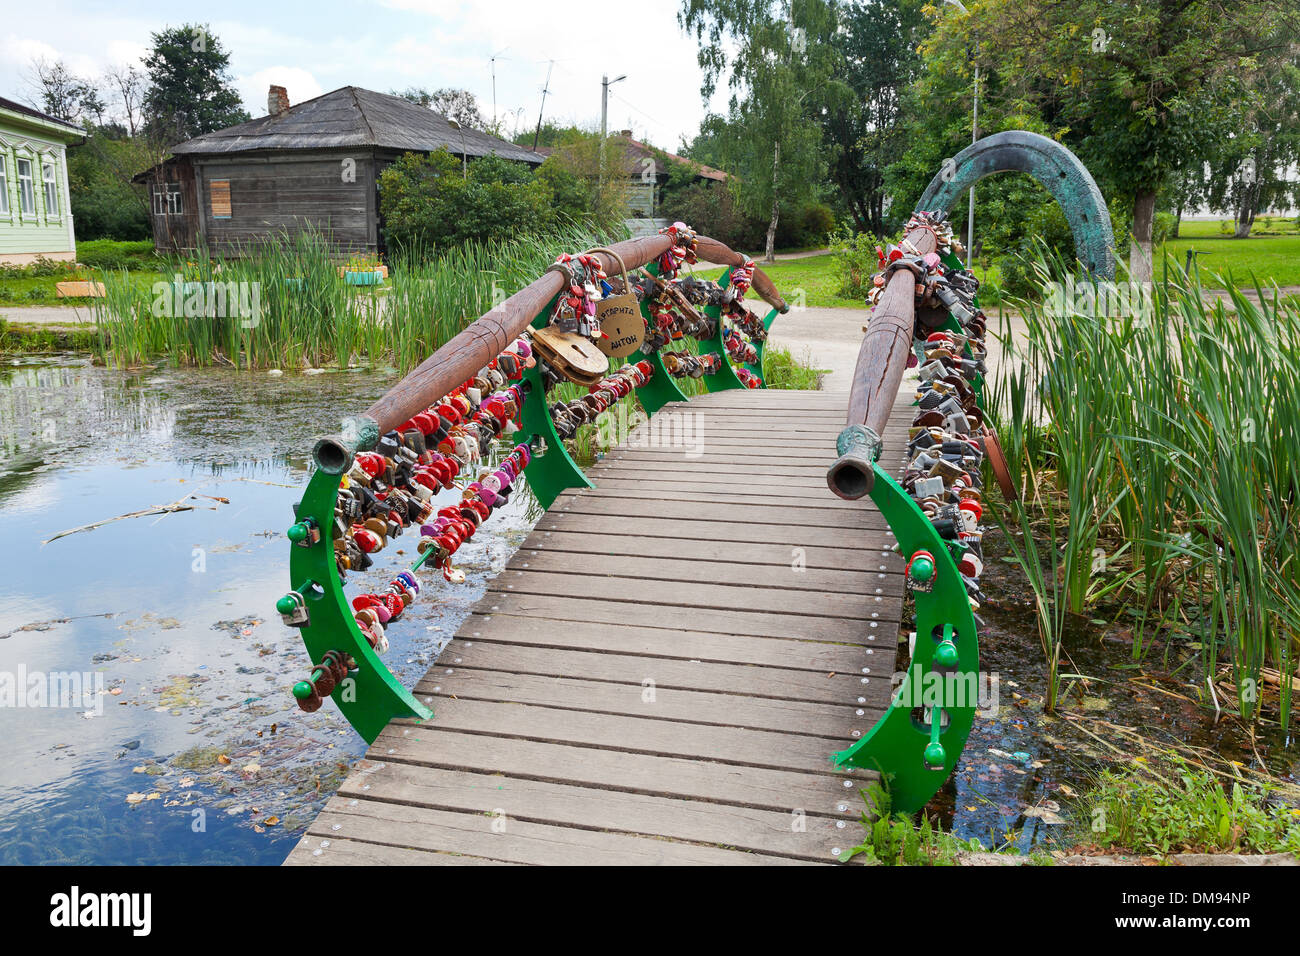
[[5, 209], [50, 190], [168, 200], [25, 196]]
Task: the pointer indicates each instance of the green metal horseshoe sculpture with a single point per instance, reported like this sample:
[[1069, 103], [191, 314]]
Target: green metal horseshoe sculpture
[[1056, 169]]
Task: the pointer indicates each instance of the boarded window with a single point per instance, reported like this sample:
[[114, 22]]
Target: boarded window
[[219, 191]]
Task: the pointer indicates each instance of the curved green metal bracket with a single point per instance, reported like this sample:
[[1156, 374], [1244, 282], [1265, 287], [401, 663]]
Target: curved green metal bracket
[[1056, 169], [725, 377], [920, 737], [372, 695], [555, 472], [757, 367]]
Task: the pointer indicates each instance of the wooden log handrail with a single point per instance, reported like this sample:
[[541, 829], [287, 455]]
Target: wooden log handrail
[[462, 356], [882, 359]]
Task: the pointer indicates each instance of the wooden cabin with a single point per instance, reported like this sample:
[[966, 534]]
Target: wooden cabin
[[314, 164]]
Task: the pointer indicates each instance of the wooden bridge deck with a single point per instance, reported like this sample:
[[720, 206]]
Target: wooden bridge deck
[[650, 679]]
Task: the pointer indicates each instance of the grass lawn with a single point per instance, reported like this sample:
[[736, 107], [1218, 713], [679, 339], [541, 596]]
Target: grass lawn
[[814, 275], [40, 290], [1272, 253]]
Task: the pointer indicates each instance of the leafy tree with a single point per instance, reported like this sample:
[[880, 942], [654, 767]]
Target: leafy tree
[[427, 201], [1249, 175], [864, 132], [781, 60], [105, 204], [129, 87], [63, 94], [190, 90], [1143, 88], [552, 135], [460, 105]]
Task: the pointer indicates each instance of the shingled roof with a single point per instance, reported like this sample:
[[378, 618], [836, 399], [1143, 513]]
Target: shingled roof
[[352, 118], [44, 118]]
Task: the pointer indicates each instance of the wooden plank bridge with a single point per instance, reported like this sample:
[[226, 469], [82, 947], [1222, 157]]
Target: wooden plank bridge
[[663, 669]]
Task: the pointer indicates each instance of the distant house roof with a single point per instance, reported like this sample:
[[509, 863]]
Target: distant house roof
[[633, 152], [36, 117], [352, 117]]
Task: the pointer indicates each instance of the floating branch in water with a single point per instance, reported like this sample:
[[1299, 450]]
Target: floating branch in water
[[175, 506]]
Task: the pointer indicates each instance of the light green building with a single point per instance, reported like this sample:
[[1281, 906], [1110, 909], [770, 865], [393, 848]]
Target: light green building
[[35, 212]]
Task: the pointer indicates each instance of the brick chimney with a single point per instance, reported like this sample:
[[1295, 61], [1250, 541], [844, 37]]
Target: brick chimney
[[277, 101]]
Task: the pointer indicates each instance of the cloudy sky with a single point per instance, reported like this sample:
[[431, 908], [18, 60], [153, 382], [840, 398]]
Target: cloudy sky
[[393, 44]]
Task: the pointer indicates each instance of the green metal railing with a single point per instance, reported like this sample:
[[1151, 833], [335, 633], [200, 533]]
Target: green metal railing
[[370, 695]]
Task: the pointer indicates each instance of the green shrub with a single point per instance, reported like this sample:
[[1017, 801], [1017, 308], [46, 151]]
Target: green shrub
[[710, 208], [1189, 810], [114, 254], [810, 225], [856, 261], [1162, 228], [40, 267], [428, 201]]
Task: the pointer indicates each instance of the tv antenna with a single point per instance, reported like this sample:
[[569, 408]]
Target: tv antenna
[[496, 56], [545, 89]]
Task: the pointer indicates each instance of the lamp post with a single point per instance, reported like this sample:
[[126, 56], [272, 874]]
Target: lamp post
[[974, 133], [464, 156], [605, 84]]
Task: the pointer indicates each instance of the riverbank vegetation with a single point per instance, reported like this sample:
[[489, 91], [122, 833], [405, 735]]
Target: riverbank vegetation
[[294, 310], [1154, 452]]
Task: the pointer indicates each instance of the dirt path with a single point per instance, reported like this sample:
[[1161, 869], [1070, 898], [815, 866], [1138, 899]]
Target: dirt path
[[61, 316], [831, 337]]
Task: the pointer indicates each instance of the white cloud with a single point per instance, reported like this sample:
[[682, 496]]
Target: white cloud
[[393, 44]]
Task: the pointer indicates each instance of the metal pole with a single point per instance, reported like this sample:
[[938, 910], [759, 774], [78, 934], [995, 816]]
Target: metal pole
[[604, 116], [974, 134]]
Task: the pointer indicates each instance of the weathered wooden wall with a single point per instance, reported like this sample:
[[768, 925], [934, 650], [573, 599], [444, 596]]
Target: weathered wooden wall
[[290, 192]]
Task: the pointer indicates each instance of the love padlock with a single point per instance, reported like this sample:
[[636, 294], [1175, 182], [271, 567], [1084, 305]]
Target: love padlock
[[293, 610]]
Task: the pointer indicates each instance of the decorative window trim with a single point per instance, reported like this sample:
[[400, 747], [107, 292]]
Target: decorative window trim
[[30, 159], [7, 209], [50, 186]]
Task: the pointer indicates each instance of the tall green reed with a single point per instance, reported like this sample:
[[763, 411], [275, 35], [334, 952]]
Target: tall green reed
[[1167, 468]]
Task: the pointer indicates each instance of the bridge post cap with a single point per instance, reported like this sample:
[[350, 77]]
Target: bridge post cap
[[935, 756], [921, 568], [298, 532], [945, 655], [286, 604], [303, 689]]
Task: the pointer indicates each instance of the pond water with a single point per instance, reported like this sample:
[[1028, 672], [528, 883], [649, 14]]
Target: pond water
[[167, 622], [190, 748]]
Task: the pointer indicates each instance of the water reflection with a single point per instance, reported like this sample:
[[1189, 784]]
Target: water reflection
[[171, 612]]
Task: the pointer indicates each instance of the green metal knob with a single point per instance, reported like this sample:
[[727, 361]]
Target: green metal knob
[[935, 755], [286, 604], [922, 569], [298, 532], [945, 655], [302, 690]]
